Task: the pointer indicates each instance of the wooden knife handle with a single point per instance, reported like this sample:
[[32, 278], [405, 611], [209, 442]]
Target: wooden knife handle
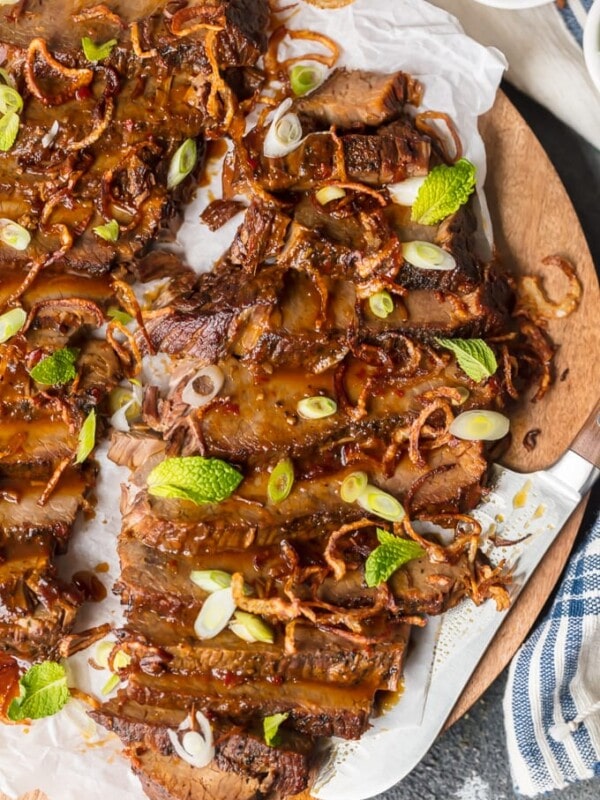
[[587, 441]]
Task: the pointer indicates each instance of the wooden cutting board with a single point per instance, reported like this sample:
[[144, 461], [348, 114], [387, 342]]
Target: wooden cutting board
[[533, 217]]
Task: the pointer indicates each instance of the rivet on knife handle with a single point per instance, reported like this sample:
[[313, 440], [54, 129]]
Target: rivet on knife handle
[[587, 441]]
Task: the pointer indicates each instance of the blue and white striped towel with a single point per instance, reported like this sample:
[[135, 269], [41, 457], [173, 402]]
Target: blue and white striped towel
[[552, 700], [575, 14]]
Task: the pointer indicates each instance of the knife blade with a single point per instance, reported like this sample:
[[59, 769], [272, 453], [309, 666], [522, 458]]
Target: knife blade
[[529, 509]]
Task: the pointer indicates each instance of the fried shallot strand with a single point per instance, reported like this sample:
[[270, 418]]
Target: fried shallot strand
[[276, 69], [533, 301], [337, 564], [54, 480], [422, 124], [78, 77]]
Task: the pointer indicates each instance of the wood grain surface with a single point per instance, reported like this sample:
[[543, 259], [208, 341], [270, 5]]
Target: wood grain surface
[[533, 217]]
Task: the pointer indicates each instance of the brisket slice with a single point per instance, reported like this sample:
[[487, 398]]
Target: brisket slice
[[259, 418], [283, 768], [313, 509], [170, 778], [355, 98], [316, 709], [391, 155], [157, 644]]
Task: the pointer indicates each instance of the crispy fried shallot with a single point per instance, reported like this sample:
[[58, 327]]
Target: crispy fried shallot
[[78, 306], [76, 642], [441, 435], [533, 301], [77, 78], [439, 141], [152, 52], [337, 564], [130, 356], [54, 480], [276, 69], [98, 12], [200, 18], [128, 300]]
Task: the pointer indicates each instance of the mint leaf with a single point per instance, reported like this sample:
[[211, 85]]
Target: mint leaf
[[57, 368], [271, 727], [44, 692], [391, 554], [445, 190], [474, 357], [201, 480], [87, 438]]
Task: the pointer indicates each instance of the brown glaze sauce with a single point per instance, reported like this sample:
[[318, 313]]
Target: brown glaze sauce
[[92, 588], [9, 682]]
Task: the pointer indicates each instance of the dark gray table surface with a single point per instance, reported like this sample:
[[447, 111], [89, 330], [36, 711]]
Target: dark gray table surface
[[469, 762]]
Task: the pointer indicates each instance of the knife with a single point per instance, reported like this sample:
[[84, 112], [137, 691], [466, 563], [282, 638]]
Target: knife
[[527, 509]]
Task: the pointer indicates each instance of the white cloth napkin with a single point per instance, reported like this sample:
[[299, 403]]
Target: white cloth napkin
[[545, 58]]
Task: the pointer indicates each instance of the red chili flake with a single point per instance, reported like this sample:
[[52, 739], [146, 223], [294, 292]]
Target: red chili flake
[[34, 358], [253, 163], [231, 408], [83, 93]]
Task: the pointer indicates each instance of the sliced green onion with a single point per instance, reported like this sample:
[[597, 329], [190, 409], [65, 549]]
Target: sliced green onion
[[251, 628], [10, 100], [480, 425], [182, 163], [425, 255], [464, 393], [316, 407], [405, 193], [381, 304], [109, 231], [125, 407], [211, 580], [87, 438], [121, 316], [306, 77], [11, 323], [353, 486], [284, 134], [281, 481], [6, 76], [103, 651], [110, 685], [215, 613], [9, 129], [381, 503], [97, 52], [121, 660], [14, 235], [329, 193]]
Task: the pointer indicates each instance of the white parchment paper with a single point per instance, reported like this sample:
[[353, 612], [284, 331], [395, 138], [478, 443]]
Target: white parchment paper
[[68, 756]]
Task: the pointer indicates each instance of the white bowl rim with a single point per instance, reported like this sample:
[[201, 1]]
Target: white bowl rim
[[591, 43]]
